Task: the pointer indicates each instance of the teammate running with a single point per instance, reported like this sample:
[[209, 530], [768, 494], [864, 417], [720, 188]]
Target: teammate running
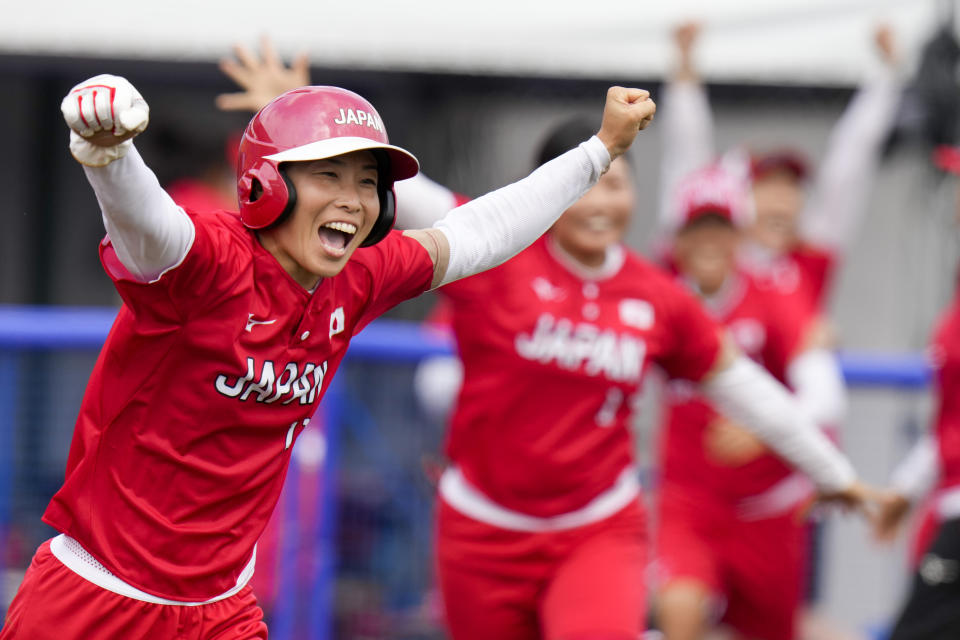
[[932, 610], [231, 328], [730, 531], [540, 530]]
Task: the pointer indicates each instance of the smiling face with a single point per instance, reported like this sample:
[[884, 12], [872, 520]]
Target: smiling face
[[599, 219], [705, 251], [337, 206], [778, 198]]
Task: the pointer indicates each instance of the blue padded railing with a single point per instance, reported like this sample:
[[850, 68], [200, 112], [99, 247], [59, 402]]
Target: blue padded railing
[[24, 328]]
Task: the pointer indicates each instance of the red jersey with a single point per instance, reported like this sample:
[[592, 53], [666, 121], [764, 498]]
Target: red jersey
[[803, 276], [945, 355], [552, 358], [767, 329], [207, 377]]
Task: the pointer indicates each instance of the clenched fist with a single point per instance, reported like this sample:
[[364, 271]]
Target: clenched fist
[[626, 112], [103, 114]]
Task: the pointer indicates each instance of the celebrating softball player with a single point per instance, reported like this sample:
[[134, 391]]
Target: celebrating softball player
[[231, 328]]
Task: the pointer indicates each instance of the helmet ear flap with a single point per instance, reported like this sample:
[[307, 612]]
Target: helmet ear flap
[[275, 201], [384, 223]]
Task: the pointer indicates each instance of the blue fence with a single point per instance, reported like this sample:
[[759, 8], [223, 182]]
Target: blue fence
[[49, 330]]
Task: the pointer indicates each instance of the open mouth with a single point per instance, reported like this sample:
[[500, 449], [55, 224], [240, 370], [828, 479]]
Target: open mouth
[[335, 236]]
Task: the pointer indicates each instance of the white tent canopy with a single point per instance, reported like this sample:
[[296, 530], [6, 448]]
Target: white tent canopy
[[794, 41]]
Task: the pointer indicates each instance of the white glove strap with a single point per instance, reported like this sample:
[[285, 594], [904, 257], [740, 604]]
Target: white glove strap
[[747, 394], [493, 228], [92, 155]]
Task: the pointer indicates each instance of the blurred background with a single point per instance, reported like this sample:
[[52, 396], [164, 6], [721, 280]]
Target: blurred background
[[470, 88]]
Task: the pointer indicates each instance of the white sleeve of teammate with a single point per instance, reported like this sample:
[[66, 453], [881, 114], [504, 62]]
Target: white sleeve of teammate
[[686, 124], [436, 383], [918, 473], [841, 190], [149, 232], [818, 386], [497, 226], [747, 394], [421, 202]]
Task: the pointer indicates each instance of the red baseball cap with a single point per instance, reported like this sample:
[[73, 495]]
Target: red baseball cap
[[712, 190], [788, 160]]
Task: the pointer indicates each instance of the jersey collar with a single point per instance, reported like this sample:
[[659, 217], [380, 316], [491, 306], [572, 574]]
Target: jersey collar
[[613, 261]]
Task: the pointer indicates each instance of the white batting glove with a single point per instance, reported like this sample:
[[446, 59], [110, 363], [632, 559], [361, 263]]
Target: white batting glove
[[104, 113]]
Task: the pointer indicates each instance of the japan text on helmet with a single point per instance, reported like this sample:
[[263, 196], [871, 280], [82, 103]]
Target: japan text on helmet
[[313, 123]]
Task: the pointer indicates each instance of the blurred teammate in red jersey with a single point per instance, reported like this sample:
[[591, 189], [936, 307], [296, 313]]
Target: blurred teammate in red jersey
[[804, 220], [540, 529], [932, 610], [231, 328], [730, 531]]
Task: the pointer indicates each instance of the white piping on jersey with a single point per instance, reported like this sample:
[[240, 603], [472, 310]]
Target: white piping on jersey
[[77, 559], [777, 499], [613, 261], [468, 500], [725, 299]]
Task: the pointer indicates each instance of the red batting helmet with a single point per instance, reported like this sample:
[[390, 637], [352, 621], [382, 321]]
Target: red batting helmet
[[312, 123]]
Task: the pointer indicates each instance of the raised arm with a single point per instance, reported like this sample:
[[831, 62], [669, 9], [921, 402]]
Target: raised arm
[[149, 232], [493, 228], [842, 187], [686, 123]]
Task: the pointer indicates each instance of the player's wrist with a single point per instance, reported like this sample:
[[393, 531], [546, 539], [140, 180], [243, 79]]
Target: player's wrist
[[92, 155]]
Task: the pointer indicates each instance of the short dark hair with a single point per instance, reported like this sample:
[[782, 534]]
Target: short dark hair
[[563, 137]]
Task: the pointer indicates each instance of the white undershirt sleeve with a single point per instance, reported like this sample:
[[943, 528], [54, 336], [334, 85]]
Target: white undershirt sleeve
[[421, 202], [918, 473], [149, 232], [490, 230], [818, 387], [841, 190], [686, 126], [747, 394]]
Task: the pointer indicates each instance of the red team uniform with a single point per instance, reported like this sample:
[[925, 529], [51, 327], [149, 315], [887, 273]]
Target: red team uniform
[[931, 610], [735, 529], [539, 520], [804, 275], [174, 469]]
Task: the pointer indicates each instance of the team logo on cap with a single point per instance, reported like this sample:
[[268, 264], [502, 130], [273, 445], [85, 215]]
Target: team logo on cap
[[358, 116]]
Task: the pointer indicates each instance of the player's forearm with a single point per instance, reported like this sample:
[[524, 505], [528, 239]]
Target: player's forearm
[[149, 232], [917, 474], [748, 395], [818, 386], [686, 126], [493, 228], [843, 185], [421, 202]]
